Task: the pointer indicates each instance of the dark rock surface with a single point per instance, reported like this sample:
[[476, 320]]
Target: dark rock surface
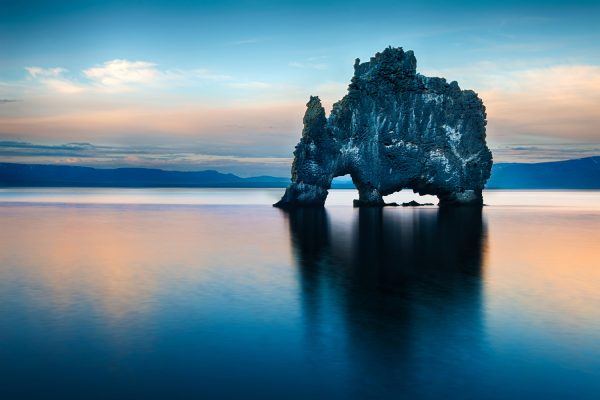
[[395, 129], [413, 203]]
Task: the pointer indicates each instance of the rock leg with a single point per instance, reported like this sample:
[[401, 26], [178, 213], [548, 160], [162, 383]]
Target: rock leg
[[368, 196], [464, 198], [301, 194]]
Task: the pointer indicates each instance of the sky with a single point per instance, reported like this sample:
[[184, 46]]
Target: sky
[[192, 85]]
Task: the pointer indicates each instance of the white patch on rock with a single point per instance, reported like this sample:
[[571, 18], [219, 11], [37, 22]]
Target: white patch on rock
[[453, 134], [438, 156], [432, 97], [401, 143]]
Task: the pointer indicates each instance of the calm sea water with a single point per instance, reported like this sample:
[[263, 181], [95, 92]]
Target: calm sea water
[[207, 293]]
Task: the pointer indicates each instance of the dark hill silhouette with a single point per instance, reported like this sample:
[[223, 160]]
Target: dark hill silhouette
[[583, 173], [64, 176]]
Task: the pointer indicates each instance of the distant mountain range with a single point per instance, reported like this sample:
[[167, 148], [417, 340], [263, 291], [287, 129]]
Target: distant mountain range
[[583, 173], [27, 175]]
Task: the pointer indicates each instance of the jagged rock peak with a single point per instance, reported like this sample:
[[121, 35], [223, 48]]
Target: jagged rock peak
[[394, 129], [314, 119], [390, 64]]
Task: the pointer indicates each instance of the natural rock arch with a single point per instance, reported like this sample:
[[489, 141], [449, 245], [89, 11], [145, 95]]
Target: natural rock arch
[[395, 129]]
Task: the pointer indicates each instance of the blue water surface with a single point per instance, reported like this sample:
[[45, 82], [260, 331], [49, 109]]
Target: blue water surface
[[175, 299]]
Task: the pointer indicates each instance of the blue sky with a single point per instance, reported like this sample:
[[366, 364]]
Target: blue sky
[[196, 85]]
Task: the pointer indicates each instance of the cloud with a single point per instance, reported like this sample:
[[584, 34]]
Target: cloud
[[37, 72], [118, 74], [53, 79], [64, 86], [18, 148], [544, 152], [5, 101], [125, 75]]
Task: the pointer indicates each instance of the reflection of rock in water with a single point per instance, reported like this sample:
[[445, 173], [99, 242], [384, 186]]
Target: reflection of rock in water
[[310, 237], [406, 290]]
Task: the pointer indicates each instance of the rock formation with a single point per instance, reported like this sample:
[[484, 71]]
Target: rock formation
[[395, 129]]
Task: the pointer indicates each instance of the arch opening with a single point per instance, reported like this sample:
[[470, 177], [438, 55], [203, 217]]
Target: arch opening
[[342, 191]]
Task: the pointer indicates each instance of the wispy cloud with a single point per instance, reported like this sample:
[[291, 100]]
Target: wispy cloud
[[5, 101], [64, 86], [36, 72], [118, 75], [308, 65], [53, 79], [9, 147], [544, 152], [121, 73]]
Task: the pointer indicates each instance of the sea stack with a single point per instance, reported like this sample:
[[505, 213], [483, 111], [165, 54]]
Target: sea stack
[[395, 129]]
